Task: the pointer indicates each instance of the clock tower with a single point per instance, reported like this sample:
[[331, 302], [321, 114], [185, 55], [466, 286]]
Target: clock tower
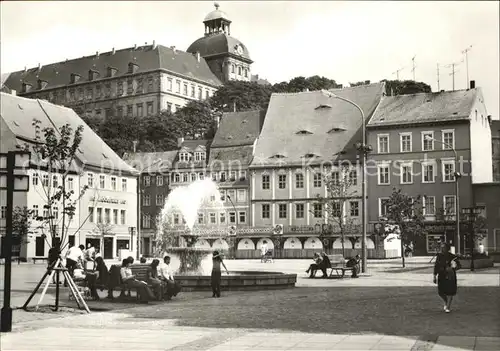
[[227, 57]]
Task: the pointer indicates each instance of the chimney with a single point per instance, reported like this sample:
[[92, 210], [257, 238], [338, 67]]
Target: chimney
[[198, 56], [472, 84], [173, 49], [154, 44], [113, 51], [180, 141], [489, 119], [97, 54], [13, 92], [135, 46], [40, 66], [25, 68]]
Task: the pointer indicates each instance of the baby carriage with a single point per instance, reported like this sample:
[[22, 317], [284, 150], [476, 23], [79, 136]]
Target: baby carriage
[[268, 257]]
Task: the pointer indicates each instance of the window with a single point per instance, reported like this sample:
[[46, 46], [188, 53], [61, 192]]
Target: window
[[113, 183], [265, 181], [115, 216], [185, 177], [55, 181], [336, 178], [222, 176], [318, 210], [222, 218], [70, 183], [130, 86], [146, 200], [146, 221], [207, 94], [159, 199], [193, 177], [130, 110], [406, 173], [317, 180], [176, 218], [193, 91], [266, 211], [119, 88], [45, 180], [169, 106], [169, 84], [200, 93], [35, 211], [246, 72], [178, 86], [428, 173], [149, 107], [429, 205], [242, 195], [107, 215], [177, 178], [199, 156], [35, 178], [150, 84], [405, 142], [282, 181], [214, 176], [122, 217], [448, 139], [233, 68], [243, 175], [383, 206], [448, 171], [159, 180], [354, 208], [299, 210], [232, 176], [232, 217], [449, 204], [140, 85], [243, 217], [213, 219], [140, 111], [99, 215], [102, 181], [124, 184], [383, 143], [107, 90], [147, 180], [45, 213], [353, 177], [299, 181], [55, 212], [282, 210], [239, 70], [90, 93], [3, 212], [184, 157], [185, 90], [427, 141]]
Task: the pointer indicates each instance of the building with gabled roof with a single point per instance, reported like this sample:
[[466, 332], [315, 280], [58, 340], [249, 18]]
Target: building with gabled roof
[[111, 196], [303, 135], [419, 143]]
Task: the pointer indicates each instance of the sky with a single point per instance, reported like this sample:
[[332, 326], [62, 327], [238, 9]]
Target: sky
[[346, 41]]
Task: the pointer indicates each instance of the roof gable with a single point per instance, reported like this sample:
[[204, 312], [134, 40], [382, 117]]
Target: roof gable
[[238, 128]]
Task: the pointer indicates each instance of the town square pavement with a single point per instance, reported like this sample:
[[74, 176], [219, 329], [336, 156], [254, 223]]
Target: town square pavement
[[388, 308]]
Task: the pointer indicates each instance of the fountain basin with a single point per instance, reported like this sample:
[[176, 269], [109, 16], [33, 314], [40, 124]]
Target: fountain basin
[[239, 280]]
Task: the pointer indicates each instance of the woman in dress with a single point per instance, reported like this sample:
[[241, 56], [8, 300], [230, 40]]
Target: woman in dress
[[216, 273], [446, 276], [153, 279]]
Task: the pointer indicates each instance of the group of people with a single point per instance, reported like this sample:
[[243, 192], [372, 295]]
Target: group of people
[[322, 262]]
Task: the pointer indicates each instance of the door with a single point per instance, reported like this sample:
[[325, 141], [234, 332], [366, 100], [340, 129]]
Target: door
[[108, 248], [39, 246], [122, 245], [145, 247]]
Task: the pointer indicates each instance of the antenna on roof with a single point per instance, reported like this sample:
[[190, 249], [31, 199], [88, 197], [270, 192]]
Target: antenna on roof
[[413, 66], [453, 72], [465, 52], [438, 76], [397, 72]]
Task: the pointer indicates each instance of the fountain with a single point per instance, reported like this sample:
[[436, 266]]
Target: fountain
[[178, 235]]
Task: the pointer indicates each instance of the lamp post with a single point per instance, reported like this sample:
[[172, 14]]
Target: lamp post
[[364, 149], [11, 182], [456, 175], [470, 214]]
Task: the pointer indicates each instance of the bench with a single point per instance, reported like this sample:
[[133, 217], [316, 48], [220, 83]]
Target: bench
[[39, 259], [338, 265]]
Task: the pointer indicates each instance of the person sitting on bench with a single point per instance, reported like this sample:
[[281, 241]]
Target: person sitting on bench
[[129, 279], [324, 264], [314, 266], [354, 262], [165, 274], [153, 279], [98, 277]]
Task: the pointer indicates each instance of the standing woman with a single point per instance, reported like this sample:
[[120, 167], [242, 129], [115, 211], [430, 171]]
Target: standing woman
[[445, 270], [216, 273]]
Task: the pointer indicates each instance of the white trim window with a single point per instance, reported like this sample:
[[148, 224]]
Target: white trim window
[[159, 180], [428, 172], [213, 218], [146, 200], [147, 181], [383, 143], [102, 182], [449, 206], [184, 157], [429, 205], [383, 175], [427, 141], [448, 171], [406, 173], [354, 208], [405, 144], [448, 139], [382, 206]]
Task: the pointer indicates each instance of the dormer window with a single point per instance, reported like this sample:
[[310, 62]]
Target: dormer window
[[310, 156], [42, 84], [278, 156], [133, 67], [303, 132], [26, 87], [323, 106], [336, 129], [74, 78], [199, 156], [93, 74], [112, 71], [184, 157]]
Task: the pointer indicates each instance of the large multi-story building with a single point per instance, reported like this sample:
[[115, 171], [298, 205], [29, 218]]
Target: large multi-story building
[[106, 211], [140, 80], [304, 136], [495, 148], [418, 142]]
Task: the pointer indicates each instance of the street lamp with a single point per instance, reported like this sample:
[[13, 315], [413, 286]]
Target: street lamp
[[456, 175], [470, 214], [364, 149], [12, 182]]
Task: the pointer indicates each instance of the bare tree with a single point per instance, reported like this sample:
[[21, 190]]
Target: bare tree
[[340, 191], [103, 229]]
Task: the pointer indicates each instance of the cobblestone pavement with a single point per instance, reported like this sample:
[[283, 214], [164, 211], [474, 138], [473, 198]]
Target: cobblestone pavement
[[382, 310]]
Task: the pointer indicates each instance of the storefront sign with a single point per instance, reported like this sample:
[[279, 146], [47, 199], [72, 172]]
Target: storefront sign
[[109, 200], [301, 229], [439, 228]]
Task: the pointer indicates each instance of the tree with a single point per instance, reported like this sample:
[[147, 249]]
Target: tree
[[21, 225], [403, 87], [340, 191], [404, 216], [357, 84], [240, 96], [196, 120], [55, 152], [298, 84]]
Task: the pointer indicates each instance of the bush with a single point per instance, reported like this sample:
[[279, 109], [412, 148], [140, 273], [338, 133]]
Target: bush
[[477, 256]]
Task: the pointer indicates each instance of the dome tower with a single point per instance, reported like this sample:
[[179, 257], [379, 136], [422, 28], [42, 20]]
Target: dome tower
[[227, 57]]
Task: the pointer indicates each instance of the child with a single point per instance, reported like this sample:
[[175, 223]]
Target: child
[[216, 273]]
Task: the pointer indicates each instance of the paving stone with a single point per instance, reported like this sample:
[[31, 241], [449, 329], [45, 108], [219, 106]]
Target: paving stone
[[466, 342]]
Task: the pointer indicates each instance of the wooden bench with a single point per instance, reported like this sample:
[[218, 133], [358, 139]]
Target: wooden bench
[[338, 265], [39, 259]]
